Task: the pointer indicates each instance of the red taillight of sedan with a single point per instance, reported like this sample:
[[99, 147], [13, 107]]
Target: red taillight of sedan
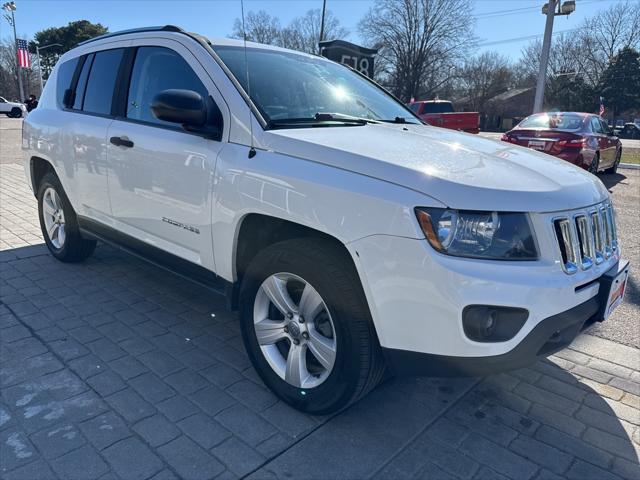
[[576, 143]]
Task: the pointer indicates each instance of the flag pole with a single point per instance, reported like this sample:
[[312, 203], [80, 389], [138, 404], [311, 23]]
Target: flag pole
[[18, 71]]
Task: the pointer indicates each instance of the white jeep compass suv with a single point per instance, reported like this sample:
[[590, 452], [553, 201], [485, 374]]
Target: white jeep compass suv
[[352, 238]]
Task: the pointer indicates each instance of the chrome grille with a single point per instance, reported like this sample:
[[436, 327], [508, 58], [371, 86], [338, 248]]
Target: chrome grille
[[586, 238]]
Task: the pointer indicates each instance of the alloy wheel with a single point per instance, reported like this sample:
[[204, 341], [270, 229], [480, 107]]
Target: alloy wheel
[[294, 330], [53, 216]]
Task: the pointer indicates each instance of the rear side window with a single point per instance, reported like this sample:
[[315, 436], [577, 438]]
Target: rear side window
[[102, 80], [82, 82], [156, 69], [65, 76], [438, 107], [414, 107]]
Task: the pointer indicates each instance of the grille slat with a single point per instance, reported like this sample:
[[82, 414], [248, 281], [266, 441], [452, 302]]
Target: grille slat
[[586, 238]]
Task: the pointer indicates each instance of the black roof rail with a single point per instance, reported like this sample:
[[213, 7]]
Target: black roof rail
[[165, 28]]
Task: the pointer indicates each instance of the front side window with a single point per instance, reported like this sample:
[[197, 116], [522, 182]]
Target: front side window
[[65, 77], [157, 69], [2, 100], [605, 128], [286, 87], [595, 125], [101, 82]]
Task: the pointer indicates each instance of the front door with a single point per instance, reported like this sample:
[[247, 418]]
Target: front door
[[160, 176]]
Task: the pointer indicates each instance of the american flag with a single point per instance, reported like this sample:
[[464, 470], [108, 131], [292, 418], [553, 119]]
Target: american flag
[[601, 107], [24, 59]]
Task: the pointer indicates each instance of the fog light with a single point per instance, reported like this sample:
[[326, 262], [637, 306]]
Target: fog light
[[488, 323]]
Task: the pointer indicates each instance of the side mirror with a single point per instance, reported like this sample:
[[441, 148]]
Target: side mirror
[[189, 109], [180, 106]]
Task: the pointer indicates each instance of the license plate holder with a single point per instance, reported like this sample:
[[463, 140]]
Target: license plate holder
[[537, 145], [613, 286]]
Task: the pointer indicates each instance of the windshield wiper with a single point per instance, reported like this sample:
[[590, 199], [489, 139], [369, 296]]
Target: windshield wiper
[[342, 117], [321, 119], [399, 120]]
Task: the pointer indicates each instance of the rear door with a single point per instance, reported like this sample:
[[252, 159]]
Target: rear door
[[90, 80], [161, 185], [611, 142], [603, 141]]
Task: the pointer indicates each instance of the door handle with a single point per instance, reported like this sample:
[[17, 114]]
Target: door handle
[[121, 142]]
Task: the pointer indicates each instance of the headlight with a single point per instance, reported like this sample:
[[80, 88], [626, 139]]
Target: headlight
[[489, 235]]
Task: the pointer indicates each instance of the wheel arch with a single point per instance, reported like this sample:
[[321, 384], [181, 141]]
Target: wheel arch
[[256, 231], [38, 168]]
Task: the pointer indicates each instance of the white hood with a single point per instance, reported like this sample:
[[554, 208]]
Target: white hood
[[463, 171]]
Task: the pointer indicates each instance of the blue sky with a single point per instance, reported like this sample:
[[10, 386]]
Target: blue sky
[[496, 20]]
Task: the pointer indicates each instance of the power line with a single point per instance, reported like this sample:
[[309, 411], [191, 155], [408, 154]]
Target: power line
[[528, 37], [519, 11]]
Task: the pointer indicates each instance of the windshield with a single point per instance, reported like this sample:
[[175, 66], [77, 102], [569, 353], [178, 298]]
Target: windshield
[[558, 121], [288, 86]]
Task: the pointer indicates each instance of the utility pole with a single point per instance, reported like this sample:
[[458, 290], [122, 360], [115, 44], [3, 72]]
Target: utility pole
[[11, 7], [324, 8], [550, 10]]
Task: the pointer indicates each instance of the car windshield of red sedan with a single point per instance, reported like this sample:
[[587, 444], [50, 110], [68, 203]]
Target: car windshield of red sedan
[[557, 121]]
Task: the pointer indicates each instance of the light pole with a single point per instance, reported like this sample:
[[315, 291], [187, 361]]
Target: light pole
[[38, 48], [549, 9], [11, 7]]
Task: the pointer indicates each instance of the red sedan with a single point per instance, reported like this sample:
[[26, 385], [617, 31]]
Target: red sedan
[[583, 139]]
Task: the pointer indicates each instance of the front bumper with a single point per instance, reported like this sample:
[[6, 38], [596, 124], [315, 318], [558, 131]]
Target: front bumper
[[547, 337]]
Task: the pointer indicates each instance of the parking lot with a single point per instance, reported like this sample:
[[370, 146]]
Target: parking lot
[[116, 369]]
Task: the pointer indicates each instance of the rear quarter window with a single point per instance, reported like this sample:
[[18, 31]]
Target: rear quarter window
[[64, 78], [102, 80]]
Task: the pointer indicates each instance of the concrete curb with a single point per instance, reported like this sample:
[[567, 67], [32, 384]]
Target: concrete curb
[[630, 166]]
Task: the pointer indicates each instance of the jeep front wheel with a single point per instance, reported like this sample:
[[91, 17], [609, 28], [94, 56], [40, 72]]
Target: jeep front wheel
[[307, 327]]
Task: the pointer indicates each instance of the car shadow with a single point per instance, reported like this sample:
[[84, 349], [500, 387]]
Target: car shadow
[[610, 180], [546, 417]]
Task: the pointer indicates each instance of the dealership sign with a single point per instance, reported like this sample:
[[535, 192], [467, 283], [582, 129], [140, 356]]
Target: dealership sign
[[355, 56]]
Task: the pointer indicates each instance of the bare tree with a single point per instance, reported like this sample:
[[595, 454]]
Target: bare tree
[[484, 77], [422, 41], [8, 69], [306, 29], [260, 27], [303, 33], [605, 34], [563, 58]]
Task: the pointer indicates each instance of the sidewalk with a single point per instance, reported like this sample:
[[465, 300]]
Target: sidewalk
[[116, 369]]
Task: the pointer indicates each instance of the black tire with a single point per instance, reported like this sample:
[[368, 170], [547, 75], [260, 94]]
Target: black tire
[[595, 164], [16, 112], [359, 365], [614, 168], [75, 248]]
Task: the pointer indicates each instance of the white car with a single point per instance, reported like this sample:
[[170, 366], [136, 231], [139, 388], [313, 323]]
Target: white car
[[353, 239], [12, 109]]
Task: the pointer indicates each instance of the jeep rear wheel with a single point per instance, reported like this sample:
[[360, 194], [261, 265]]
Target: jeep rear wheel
[[15, 113], [307, 327], [59, 223]]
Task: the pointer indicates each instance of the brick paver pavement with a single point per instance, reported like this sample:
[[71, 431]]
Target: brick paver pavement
[[116, 369]]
